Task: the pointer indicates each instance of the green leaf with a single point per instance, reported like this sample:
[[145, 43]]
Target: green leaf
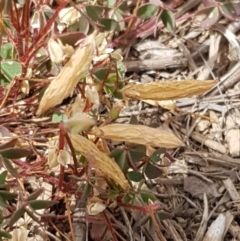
[[3, 80], [115, 186], [1, 217], [58, 117], [4, 234], [120, 157], [121, 24], [3, 202], [147, 10], [3, 176], [48, 13], [10, 69], [144, 220], [137, 152], [121, 69], [147, 196], [168, 20], [71, 38], [108, 23], [86, 191], [111, 3], [212, 16], [117, 94], [20, 2], [101, 74], [115, 111], [40, 204], [135, 176], [83, 160], [157, 155], [8, 195], [6, 19], [164, 215], [16, 215], [113, 194], [127, 198], [9, 144], [83, 25], [41, 92], [141, 183], [230, 11], [6, 51], [10, 168], [14, 153], [133, 120], [110, 83], [35, 194], [94, 12], [152, 171], [124, 6]]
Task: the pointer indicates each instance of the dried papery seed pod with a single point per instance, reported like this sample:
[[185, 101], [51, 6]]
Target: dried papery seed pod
[[73, 71], [57, 51], [78, 123], [69, 15], [95, 206], [171, 90]]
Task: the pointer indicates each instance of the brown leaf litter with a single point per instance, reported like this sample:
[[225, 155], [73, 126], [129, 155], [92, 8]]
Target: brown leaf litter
[[201, 189]]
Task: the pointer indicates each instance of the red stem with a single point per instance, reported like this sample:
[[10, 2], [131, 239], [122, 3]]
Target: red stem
[[72, 151], [26, 20], [61, 144], [110, 226]]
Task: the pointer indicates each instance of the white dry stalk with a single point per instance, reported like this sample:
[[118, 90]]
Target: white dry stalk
[[214, 49], [216, 230], [74, 70]]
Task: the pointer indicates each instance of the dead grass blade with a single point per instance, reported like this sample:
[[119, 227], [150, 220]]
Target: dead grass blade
[[138, 134], [63, 85], [100, 160], [167, 90]]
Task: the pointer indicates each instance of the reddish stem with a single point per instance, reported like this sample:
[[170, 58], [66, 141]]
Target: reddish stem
[[110, 226], [61, 144], [25, 25], [72, 151]]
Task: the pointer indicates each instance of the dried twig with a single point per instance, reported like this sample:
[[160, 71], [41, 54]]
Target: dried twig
[[149, 64], [203, 225]]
